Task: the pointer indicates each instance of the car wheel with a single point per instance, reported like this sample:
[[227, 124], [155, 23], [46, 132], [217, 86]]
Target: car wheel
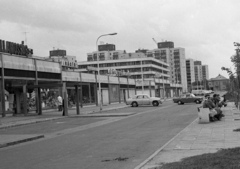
[[179, 102], [155, 103], [197, 102], [134, 104]]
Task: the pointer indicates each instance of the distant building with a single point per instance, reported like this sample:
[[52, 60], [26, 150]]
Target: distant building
[[201, 75], [175, 57], [190, 73], [68, 62], [205, 72], [152, 65], [197, 62], [106, 47], [165, 44], [219, 83]]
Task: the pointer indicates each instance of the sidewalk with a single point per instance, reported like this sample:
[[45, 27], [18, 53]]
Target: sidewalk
[[32, 117], [13, 121], [197, 139]]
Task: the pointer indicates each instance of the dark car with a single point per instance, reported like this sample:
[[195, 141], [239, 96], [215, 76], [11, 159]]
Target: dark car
[[188, 98]]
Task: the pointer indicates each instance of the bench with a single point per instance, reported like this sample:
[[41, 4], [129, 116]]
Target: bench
[[203, 115]]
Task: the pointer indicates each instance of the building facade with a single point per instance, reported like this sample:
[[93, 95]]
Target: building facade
[[205, 72], [175, 57], [148, 72], [201, 75], [190, 73], [149, 69], [33, 83], [219, 83]]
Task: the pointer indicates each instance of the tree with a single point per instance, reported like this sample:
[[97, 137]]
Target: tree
[[234, 77]]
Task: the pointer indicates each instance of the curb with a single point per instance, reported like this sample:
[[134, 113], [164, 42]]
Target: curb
[[56, 118], [21, 141], [30, 122]]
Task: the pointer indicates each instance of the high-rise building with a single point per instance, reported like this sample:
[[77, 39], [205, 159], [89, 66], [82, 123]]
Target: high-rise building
[[201, 75], [175, 57], [197, 62], [190, 73], [205, 72]]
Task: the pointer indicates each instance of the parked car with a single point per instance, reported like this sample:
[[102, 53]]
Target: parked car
[[143, 99], [188, 98]]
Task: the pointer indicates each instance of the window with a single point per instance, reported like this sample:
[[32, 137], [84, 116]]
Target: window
[[145, 97]]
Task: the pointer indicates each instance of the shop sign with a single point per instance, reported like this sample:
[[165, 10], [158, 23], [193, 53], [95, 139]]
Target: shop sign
[[15, 48]]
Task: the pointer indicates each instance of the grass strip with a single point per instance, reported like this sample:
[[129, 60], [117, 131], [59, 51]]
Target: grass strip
[[222, 159]]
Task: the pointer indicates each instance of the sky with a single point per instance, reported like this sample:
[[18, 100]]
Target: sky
[[205, 28]]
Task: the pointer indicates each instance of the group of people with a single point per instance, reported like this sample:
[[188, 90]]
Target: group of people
[[214, 104]]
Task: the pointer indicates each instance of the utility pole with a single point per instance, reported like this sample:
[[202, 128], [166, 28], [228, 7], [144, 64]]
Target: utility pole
[[142, 76]]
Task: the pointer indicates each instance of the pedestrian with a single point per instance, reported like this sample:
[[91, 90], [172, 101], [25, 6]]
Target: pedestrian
[[60, 102]]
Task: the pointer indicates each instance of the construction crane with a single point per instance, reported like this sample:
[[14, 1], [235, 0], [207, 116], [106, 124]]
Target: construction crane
[[154, 40]]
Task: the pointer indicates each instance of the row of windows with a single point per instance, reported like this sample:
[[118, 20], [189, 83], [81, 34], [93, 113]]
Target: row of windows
[[31, 74], [122, 64]]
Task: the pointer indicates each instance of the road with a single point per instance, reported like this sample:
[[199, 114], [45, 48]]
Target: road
[[98, 142]]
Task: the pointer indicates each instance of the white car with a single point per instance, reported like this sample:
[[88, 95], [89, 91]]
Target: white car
[[143, 99]]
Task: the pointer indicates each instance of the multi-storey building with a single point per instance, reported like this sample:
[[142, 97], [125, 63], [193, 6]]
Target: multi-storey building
[[68, 62], [190, 73], [205, 72], [136, 68], [201, 75], [175, 57], [150, 71]]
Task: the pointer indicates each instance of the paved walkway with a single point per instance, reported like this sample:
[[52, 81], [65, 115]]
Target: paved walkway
[[198, 139]]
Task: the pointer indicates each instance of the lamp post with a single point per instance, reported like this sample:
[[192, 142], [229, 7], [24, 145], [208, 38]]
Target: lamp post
[[142, 75], [176, 81], [98, 58], [163, 88]]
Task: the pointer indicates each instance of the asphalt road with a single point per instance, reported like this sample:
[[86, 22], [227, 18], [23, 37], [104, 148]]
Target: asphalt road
[[98, 143]]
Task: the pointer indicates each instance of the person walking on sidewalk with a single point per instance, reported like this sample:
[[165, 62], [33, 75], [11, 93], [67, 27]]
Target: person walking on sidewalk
[[60, 102]]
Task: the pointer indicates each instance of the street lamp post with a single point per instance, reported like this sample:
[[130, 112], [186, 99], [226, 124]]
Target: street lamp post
[[163, 88], [176, 82], [98, 58], [142, 75]]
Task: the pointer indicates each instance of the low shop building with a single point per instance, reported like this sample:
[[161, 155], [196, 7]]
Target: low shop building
[[32, 84]]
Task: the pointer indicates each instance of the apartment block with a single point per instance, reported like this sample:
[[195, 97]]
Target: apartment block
[[190, 73], [175, 57]]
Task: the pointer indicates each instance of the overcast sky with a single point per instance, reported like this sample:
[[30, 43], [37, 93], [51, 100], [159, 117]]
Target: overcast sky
[[205, 28]]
